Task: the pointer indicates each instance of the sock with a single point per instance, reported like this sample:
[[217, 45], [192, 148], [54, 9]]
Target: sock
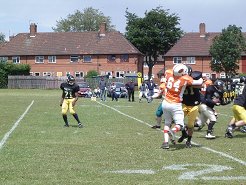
[[189, 138], [76, 117], [210, 126], [64, 116]]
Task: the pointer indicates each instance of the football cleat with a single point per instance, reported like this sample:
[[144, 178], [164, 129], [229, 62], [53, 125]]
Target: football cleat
[[188, 144], [243, 129], [228, 133], [156, 126], [165, 146], [80, 125], [210, 136]]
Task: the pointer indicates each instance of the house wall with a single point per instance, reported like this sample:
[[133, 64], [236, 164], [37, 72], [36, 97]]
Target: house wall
[[98, 63]]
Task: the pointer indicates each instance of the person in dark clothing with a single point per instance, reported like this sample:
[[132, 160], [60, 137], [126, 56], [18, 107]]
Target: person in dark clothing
[[191, 100], [68, 99], [151, 86], [213, 97], [130, 89], [239, 113]]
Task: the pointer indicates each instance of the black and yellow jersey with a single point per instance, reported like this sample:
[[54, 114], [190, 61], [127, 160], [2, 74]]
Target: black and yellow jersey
[[68, 91]]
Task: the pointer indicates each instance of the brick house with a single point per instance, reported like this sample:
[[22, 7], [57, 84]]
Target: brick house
[[76, 53], [193, 49]]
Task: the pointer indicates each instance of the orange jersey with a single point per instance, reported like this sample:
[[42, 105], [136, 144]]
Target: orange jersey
[[175, 87], [205, 85]]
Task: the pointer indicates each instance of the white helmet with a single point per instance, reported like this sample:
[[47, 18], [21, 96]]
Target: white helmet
[[180, 70]]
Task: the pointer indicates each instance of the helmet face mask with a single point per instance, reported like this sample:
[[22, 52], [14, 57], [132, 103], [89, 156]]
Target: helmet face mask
[[70, 80], [180, 70]]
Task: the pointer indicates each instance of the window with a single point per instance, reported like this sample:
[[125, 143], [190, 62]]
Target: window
[[222, 75], [59, 74], [87, 58], [47, 74], [36, 74], [190, 60], [120, 74], [74, 58], [3, 59], [79, 74], [16, 59], [124, 58], [111, 58], [52, 59], [39, 59], [31, 73], [177, 60]]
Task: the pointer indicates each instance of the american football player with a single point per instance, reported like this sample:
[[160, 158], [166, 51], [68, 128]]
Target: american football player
[[68, 99], [213, 97]]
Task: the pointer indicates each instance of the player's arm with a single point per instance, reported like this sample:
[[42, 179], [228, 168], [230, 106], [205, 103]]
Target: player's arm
[[62, 98]]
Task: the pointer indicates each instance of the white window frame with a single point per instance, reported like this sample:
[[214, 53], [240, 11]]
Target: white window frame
[[222, 75], [36, 73], [111, 58], [16, 59], [207, 75], [124, 58], [190, 60], [51, 59], [119, 74], [47, 74], [79, 74], [39, 59], [74, 58], [177, 60], [87, 59]]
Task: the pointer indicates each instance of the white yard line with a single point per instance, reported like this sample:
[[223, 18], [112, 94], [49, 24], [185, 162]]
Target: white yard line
[[6, 136], [206, 148]]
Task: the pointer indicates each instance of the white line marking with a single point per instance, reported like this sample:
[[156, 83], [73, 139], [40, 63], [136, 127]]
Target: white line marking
[[206, 148], [6, 136]]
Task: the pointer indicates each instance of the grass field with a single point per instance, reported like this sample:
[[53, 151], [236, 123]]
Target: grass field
[[116, 146]]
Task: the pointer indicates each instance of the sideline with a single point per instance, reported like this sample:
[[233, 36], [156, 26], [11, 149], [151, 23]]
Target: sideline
[[6, 136], [206, 148]]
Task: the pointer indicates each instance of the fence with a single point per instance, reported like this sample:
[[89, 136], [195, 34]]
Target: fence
[[45, 82]]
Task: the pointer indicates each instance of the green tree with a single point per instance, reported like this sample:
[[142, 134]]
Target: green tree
[[91, 74], [88, 20], [153, 34], [226, 50], [2, 38]]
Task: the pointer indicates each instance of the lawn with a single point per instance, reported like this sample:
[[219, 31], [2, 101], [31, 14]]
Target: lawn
[[115, 147]]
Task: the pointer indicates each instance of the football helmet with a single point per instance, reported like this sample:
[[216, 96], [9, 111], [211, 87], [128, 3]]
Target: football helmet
[[219, 84], [70, 80], [242, 79], [180, 70]]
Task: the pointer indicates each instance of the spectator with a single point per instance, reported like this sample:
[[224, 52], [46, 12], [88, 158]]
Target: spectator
[[130, 90], [113, 92], [143, 90], [103, 89]]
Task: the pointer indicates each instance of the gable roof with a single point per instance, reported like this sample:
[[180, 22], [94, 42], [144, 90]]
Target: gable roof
[[193, 44], [68, 43]]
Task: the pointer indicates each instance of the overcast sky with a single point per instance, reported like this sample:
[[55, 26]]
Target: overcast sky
[[16, 15]]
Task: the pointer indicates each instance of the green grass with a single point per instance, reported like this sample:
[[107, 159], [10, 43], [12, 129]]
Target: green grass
[[116, 137]]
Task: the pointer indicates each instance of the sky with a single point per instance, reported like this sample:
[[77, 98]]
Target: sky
[[16, 15]]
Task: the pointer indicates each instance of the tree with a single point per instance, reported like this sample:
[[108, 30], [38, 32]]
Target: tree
[[91, 74], [153, 34], [2, 38], [88, 20], [226, 50]]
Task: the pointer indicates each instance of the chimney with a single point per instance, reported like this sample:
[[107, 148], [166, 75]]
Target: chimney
[[102, 29], [33, 29], [202, 30]]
